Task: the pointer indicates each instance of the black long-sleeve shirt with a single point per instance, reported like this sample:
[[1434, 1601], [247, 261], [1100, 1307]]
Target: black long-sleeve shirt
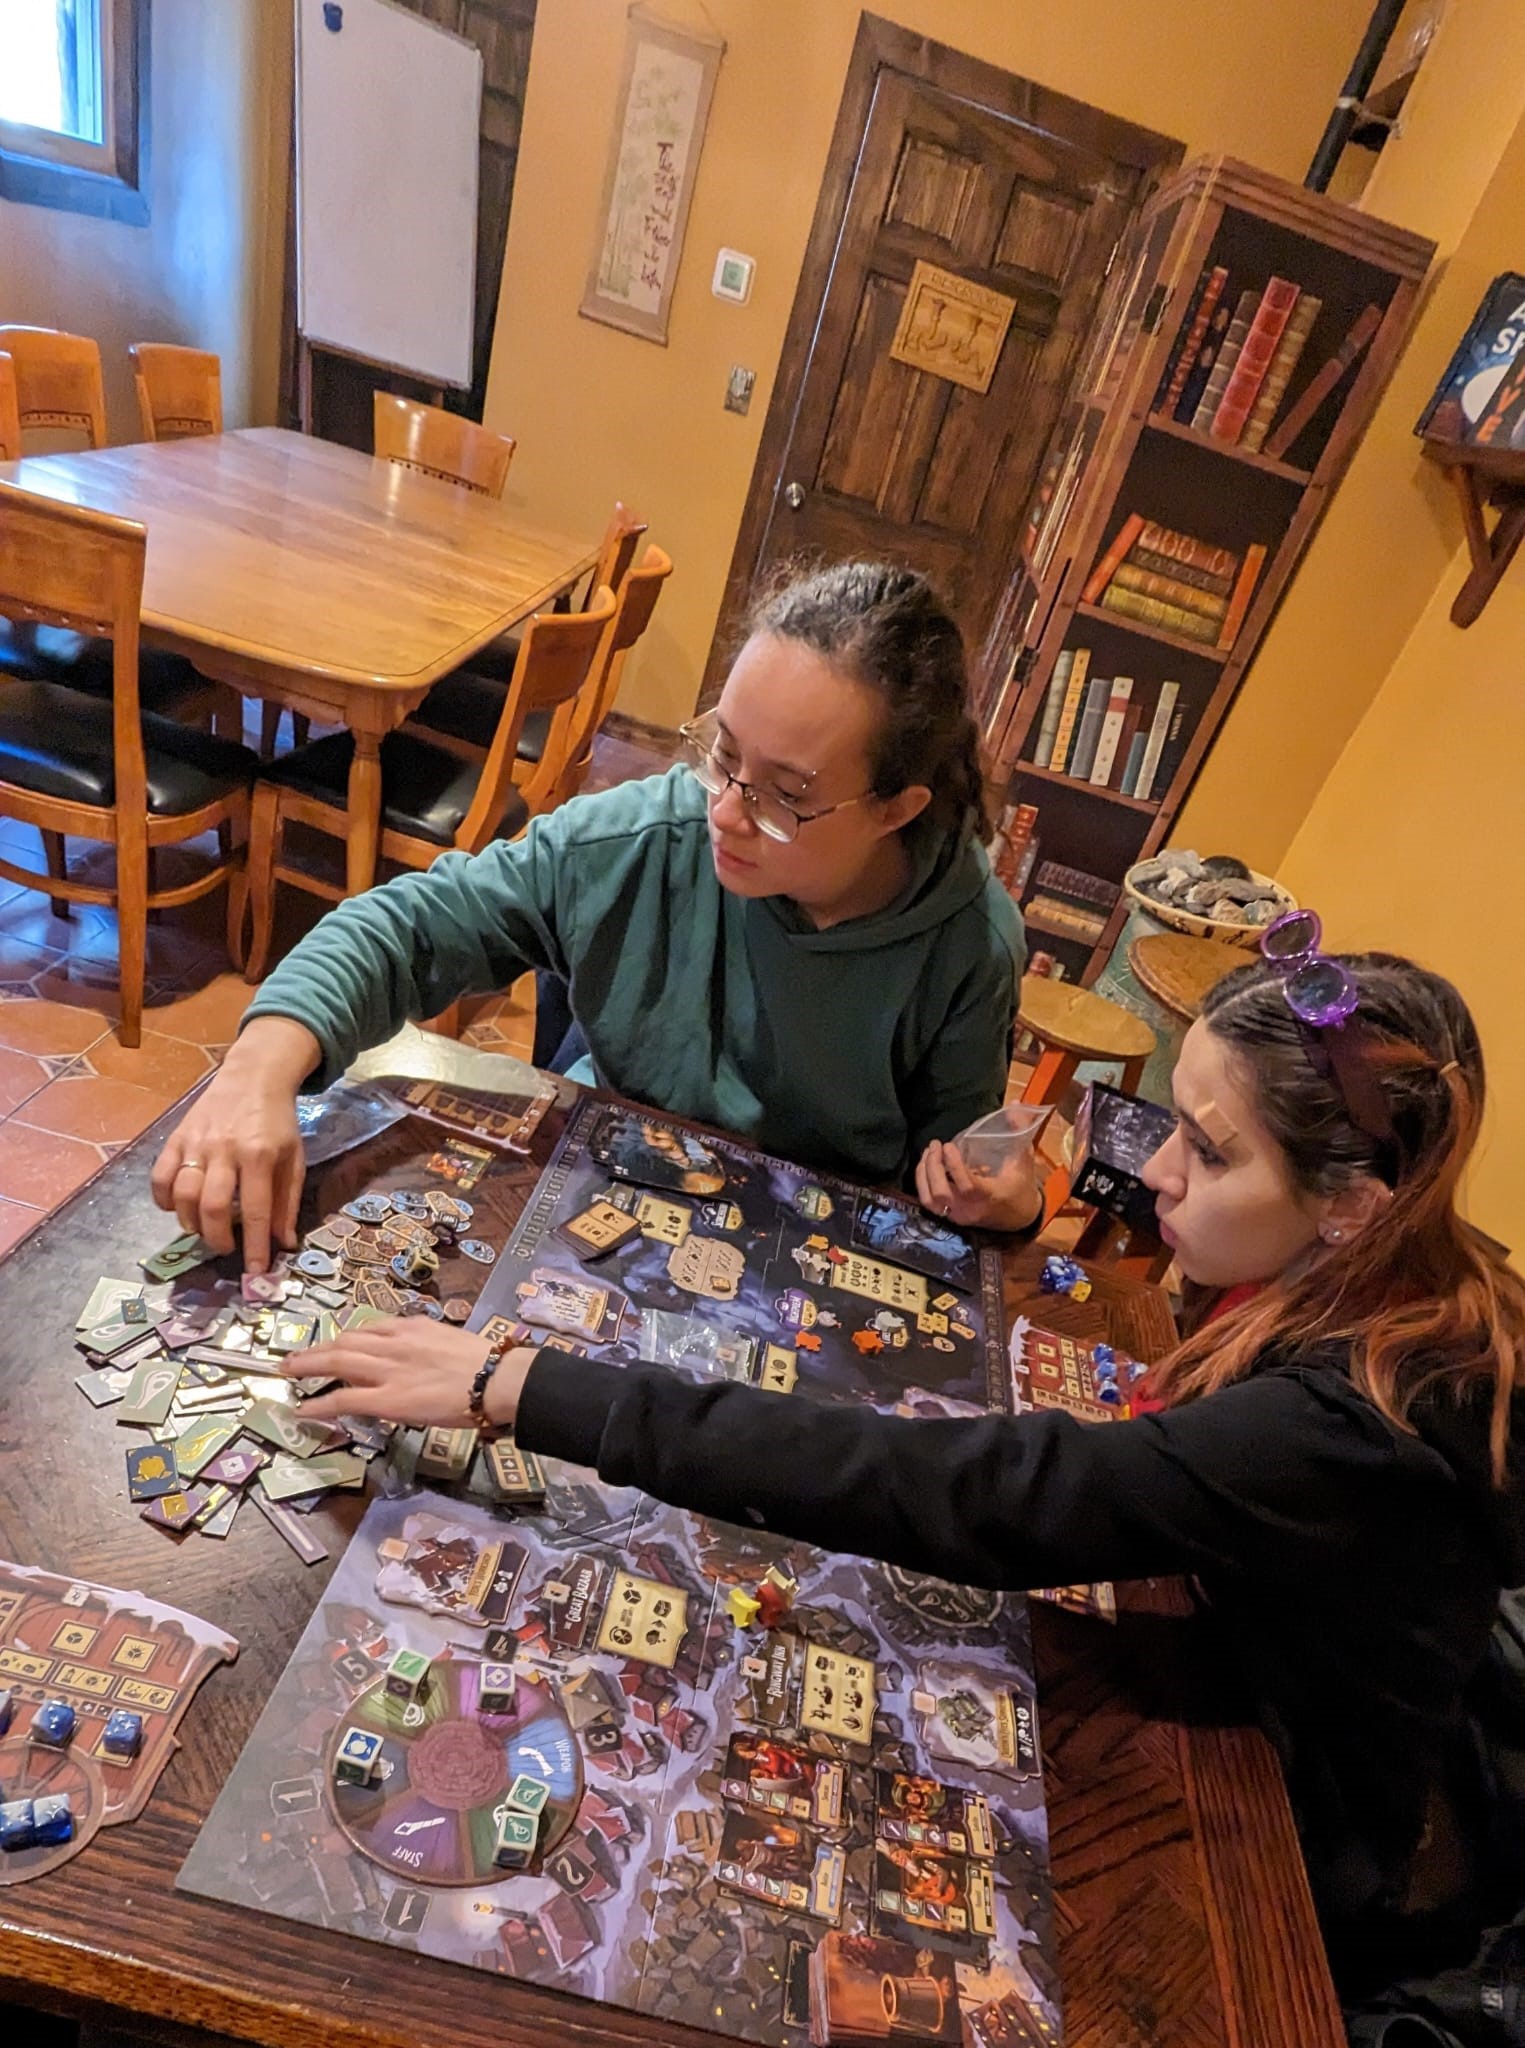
[[1353, 1568]]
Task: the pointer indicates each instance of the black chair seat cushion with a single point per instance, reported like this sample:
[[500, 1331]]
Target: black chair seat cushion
[[468, 706], [495, 660], [58, 742], [425, 791], [48, 654]]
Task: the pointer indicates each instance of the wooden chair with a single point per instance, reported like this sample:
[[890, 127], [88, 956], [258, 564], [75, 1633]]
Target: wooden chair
[[103, 768], [179, 390], [10, 412], [565, 758], [462, 709], [58, 380], [431, 799], [441, 444]]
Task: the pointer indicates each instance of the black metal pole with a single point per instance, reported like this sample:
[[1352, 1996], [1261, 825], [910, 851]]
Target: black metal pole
[[1379, 33]]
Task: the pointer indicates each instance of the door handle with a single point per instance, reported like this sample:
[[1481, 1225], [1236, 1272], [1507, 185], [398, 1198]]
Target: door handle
[[794, 496]]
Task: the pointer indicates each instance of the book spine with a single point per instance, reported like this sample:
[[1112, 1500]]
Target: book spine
[[1244, 590], [1260, 344], [1223, 367], [1098, 692], [1071, 922], [1015, 842], [1279, 376], [1043, 752], [1170, 757], [1101, 575], [1183, 572], [1153, 611], [1180, 547], [1069, 711], [1055, 877], [1154, 746], [1171, 588], [1135, 761], [1111, 731], [1209, 291], [1201, 368], [1025, 866], [1129, 746], [1324, 380]]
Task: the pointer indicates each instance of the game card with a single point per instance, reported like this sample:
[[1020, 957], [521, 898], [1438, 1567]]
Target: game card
[[907, 1235], [771, 1681], [782, 1862], [654, 1154], [839, 1694], [644, 1619], [599, 1229], [578, 1308], [709, 1266], [968, 1720], [864, 1987], [875, 1281], [657, 1218], [444, 1569], [924, 1813], [780, 1777], [920, 1891], [459, 1165]]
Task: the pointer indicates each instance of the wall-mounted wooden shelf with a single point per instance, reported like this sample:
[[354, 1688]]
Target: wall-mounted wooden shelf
[[1484, 477]]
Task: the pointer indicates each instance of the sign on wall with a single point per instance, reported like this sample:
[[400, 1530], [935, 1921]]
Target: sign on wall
[[663, 103]]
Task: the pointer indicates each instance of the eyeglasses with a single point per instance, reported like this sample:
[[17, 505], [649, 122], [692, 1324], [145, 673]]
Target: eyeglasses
[[1323, 998], [773, 814]]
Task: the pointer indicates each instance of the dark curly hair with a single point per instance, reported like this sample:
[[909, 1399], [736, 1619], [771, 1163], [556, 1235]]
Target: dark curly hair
[[888, 629]]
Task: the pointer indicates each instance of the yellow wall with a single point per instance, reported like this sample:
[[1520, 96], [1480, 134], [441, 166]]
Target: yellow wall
[[600, 414], [207, 267], [1390, 531], [1412, 842]]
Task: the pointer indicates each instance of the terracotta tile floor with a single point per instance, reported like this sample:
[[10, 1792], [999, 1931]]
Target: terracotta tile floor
[[70, 1094]]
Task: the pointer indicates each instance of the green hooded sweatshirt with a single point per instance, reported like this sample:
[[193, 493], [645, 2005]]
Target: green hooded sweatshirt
[[846, 1050]]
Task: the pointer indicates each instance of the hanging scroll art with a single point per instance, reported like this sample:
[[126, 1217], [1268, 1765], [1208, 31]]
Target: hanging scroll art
[[664, 101]]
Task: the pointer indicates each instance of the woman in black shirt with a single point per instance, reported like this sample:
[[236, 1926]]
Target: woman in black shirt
[[1330, 1458]]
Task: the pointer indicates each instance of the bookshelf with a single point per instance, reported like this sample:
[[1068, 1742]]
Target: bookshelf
[[1198, 529]]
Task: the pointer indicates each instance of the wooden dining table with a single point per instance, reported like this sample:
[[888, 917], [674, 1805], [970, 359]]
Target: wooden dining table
[[1182, 1914], [307, 575]]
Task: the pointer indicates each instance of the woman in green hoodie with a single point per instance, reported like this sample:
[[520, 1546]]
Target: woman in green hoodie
[[796, 937]]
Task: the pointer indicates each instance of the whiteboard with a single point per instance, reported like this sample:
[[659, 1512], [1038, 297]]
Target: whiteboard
[[387, 116]]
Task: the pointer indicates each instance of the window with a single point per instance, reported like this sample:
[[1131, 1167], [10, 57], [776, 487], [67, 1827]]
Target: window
[[71, 106]]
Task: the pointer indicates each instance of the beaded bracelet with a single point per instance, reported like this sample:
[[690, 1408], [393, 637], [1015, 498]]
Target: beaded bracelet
[[476, 1400]]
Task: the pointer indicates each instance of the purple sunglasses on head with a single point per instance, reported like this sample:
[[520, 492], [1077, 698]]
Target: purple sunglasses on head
[[1323, 998]]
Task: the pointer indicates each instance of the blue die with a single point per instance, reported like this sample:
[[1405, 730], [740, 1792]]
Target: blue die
[[52, 1820], [16, 1824], [53, 1723], [123, 1733]]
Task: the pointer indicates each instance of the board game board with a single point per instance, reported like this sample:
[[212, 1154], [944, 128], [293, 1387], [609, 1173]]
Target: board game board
[[96, 1649], [832, 1830]]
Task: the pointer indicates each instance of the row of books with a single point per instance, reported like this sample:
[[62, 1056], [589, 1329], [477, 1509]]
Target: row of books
[[1070, 903], [1235, 356], [1099, 729], [1171, 580]]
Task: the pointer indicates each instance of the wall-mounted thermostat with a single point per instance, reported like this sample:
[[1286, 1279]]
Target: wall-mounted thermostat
[[733, 276]]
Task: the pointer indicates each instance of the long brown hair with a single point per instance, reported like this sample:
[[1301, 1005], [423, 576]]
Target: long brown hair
[[1422, 1303]]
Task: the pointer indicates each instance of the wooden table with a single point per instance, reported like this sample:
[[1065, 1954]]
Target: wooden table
[[1182, 1911], [308, 575], [1178, 970]]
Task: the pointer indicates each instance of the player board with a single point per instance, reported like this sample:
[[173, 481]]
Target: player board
[[741, 1267], [96, 1649], [710, 1823], [831, 1830]]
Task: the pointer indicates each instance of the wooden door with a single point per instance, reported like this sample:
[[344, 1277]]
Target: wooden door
[[1013, 189]]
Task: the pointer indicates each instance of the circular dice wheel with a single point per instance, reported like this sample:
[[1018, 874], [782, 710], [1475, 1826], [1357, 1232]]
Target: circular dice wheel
[[430, 1812], [33, 1770]]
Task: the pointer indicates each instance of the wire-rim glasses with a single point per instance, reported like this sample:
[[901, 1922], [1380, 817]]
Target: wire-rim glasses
[[773, 814]]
